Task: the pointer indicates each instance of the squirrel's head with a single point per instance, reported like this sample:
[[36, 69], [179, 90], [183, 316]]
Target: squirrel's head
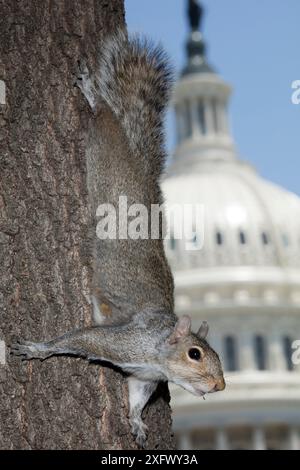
[[192, 363]]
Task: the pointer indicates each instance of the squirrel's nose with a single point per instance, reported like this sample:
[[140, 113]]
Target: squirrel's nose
[[220, 385]]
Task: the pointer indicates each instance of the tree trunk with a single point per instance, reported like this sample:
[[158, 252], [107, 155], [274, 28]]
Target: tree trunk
[[45, 255]]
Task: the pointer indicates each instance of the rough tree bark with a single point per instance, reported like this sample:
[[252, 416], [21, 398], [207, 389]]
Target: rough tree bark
[[45, 256]]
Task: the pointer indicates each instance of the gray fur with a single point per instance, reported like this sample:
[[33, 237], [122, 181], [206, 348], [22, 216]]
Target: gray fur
[[132, 292], [131, 86]]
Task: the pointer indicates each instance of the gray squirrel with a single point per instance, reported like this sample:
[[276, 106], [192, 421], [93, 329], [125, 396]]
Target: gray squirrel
[[132, 291]]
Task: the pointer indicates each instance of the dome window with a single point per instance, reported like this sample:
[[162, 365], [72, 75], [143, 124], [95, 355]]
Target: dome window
[[242, 238], [287, 351], [260, 352], [179, 124], [219, 238], [231, 356], [265, 238], [285, 239], [194, 242], [188, 120]]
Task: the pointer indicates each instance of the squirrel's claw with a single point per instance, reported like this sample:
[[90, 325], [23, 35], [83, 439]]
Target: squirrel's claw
[[85, 83], [27, 349], [139, 430]]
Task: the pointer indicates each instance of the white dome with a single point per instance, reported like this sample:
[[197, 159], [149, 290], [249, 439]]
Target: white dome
[[247, 244], [247, 220]]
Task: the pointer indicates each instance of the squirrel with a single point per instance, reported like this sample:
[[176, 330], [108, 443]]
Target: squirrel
[[133, 293]]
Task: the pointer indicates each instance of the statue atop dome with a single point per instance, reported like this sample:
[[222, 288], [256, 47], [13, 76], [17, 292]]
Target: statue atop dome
[[195, 45], [195, 14]]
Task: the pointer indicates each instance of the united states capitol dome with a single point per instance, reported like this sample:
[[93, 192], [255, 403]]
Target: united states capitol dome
[[237, 267], [250, 231]]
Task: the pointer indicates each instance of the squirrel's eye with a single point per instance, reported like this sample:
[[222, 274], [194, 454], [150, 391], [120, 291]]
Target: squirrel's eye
[[195, 354]]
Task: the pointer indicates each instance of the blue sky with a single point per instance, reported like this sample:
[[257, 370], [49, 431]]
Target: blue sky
[[254, 45]]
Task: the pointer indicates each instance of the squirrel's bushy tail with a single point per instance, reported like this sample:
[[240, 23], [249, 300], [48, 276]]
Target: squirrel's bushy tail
[[134, 79]]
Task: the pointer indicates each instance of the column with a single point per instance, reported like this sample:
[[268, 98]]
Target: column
[[222, 442], [294, 439], [222, 117], [184, 441], [275, 353], [259, 441], [246, 351], [209, 118]]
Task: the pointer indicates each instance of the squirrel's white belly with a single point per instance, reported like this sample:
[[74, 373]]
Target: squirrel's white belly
[[143, 371]]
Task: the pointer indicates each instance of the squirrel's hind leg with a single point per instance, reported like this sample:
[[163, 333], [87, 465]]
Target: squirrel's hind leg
[[139, 393]]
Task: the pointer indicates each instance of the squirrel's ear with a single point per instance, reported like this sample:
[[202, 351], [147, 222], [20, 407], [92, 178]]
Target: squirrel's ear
[[203, 330], [182, 328]]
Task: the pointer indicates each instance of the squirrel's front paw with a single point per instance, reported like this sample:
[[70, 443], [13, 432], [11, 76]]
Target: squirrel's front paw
[[28, 350], [139, 430], [85, 83]]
